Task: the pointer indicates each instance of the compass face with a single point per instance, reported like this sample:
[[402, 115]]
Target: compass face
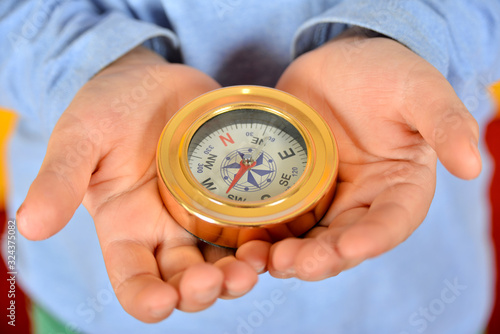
[[247, 155]]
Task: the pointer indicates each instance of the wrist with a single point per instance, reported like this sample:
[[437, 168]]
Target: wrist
[[134, 59]]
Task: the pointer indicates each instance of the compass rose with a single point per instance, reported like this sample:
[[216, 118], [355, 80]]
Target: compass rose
[[256, 177]]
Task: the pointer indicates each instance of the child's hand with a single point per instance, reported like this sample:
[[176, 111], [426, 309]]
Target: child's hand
[[102, 152], [391, 112]]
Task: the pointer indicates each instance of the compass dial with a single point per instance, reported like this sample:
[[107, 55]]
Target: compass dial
[[246, 163], [247, 155]]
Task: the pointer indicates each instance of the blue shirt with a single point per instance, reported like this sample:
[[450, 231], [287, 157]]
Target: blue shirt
[[439, 281]]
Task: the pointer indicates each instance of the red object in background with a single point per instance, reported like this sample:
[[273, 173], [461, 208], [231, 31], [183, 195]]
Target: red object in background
[[22, 323], [493, 141]]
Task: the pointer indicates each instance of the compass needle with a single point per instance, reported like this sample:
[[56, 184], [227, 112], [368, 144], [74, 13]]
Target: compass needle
[[243, 169], [257, 152]]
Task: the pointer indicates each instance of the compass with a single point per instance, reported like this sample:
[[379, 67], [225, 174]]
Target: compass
[[247, 163]]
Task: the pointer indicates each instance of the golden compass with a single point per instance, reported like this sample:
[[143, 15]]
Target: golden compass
[[244, 163]]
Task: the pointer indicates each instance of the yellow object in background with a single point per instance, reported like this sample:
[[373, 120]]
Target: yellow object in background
[[7, 120], [495, 90]]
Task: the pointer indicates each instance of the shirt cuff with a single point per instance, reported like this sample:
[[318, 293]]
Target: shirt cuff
[[411, 23]]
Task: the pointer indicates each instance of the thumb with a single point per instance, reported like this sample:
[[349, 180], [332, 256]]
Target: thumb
[[446, 124], [61, 183]]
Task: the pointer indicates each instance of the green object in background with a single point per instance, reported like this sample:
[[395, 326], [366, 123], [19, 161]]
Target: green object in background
[[44, 323]]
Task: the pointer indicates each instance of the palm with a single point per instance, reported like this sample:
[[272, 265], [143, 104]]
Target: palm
[[154, 265], [384, 161], [390, 112]]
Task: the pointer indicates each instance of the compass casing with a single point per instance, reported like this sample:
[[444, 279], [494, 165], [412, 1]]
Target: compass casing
[[229, 223]]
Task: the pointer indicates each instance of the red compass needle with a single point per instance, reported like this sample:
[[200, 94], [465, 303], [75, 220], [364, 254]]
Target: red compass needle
[[243, 169]]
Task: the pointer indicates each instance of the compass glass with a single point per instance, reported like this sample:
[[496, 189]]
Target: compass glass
[[247, 155]]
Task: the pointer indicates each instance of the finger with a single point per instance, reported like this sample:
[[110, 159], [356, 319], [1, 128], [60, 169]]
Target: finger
[[391, 218], [213, 253], [176, 259], [444, 122], [182, 264], [282, 257], [60, 185], [316, 257], [135, 278], [239, 277], [255, 253], [199, 286], [318, 260]]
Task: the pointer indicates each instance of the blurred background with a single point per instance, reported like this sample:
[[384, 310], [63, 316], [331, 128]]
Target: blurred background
[[7, 123]]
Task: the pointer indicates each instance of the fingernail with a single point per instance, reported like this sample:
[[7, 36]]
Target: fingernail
[[20, 219], [260, 270], [475, 150], [290, 272], [234, 294], [207, 296], [158, 314], [20, 210]]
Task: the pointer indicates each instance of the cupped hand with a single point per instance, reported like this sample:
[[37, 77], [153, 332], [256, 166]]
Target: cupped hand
[[102, 153], [393, 114]]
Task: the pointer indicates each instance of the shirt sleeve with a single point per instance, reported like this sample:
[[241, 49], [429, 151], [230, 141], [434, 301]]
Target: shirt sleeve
[[50, 48], [458, 37]]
